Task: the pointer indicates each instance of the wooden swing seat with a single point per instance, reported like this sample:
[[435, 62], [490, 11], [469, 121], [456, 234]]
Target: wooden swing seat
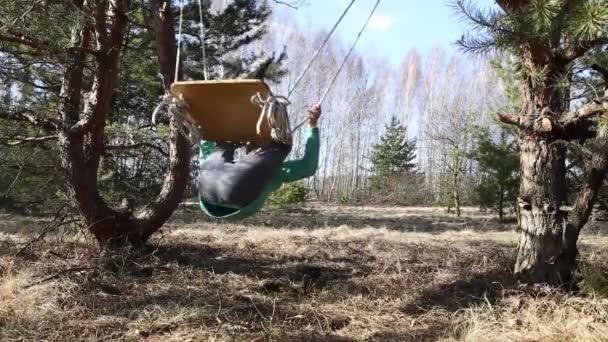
[[223, 109]]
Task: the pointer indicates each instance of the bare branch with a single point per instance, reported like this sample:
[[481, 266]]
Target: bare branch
[[29, 117], [570, 54], [292, 4], [39, 48], [602, 71], [509, 118], [14, 182], [15, 141], [58, 275], [597, 107], [136, 146], [582, 154]]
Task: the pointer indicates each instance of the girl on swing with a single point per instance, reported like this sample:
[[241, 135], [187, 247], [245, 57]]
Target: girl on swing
[[234, 189]]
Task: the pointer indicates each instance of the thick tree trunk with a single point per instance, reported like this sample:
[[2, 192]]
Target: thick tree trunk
[[547, 249], [82, 138], [542, 224]]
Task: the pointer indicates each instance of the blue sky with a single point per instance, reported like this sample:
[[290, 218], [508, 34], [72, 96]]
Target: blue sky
[[397, 26]]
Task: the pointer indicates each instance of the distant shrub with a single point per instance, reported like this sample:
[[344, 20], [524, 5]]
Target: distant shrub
[[290, 193]]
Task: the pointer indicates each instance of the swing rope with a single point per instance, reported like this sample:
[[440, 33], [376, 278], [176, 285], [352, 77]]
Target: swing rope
[[352, 48], [202, 38], [274, 112], [176, 105], [178, 108], [179, 41], [274, 108], [318, 52]]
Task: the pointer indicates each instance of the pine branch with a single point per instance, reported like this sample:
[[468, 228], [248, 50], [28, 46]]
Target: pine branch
[[597, 107], [485, 22], [509, 118], [572, 125], [16, 141], [570, 54], [29, 117], [512, 5], [22, 16]]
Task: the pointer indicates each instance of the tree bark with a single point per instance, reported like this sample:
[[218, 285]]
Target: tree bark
[[456, 194], [501, 203], [542, 223], [547, 250], [82, 139]]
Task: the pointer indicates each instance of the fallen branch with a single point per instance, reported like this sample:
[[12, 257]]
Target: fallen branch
[[58, 275], [59, 220]]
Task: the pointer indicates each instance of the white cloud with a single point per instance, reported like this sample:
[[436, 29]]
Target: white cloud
[[381, 23]]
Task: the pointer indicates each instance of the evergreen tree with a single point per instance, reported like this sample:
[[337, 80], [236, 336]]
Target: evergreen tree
[[560, 49], [392, 158], [498, 165], [394, 154]]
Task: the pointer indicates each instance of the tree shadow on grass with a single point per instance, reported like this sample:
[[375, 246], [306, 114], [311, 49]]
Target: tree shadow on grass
[[261, 267], [243, 305], [487, 287], [448, 298]]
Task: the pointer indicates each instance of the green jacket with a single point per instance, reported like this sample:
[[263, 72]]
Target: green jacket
[[291, 171]]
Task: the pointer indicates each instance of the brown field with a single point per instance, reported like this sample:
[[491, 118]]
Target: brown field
[[315, 274]]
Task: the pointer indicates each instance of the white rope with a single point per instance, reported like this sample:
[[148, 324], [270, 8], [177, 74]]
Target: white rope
[[316, 54], [203, 35], [274, 112], [179, 41], [178, 108], [352, 48]]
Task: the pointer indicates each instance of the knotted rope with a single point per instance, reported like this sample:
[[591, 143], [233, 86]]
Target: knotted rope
[[274, 113], [179, 109]]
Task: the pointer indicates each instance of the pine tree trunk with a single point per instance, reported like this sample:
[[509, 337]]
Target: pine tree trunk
[[456, 193], [542, 224], [82, 140], [547, 251], [501, 203]]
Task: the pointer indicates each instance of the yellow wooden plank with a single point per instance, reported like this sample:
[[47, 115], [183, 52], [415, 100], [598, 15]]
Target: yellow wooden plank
[[223, 108]]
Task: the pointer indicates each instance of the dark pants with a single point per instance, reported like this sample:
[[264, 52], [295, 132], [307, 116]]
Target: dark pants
[[222, 181]]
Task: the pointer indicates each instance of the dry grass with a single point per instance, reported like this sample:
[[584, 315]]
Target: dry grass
[[552, 317], [332, 274]]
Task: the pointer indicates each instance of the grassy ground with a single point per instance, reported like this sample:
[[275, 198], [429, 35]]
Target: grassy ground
[[332, 274]]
